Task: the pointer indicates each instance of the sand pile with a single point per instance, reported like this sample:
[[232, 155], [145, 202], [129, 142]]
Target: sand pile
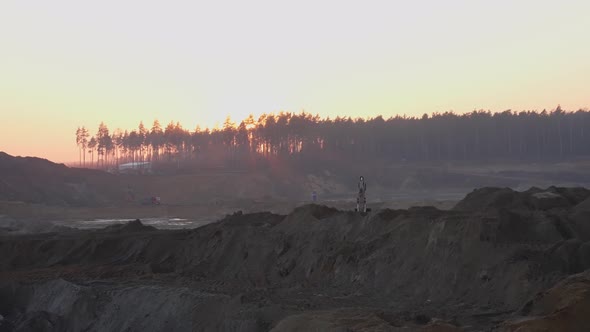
[[491, 198], [564, 307], [130, 227], [36, 180]]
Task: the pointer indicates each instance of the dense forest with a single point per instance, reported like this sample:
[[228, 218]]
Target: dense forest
[[475, 136]]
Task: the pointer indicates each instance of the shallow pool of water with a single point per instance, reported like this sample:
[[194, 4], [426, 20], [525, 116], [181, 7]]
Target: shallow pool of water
[[160, 223]]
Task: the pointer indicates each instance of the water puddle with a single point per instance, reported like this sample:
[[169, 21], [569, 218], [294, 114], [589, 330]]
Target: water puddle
[[160, 223]]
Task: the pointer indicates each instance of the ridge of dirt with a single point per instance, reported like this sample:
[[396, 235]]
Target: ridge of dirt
[[490, 198], [563, 307], [470, 268], [130, 226]]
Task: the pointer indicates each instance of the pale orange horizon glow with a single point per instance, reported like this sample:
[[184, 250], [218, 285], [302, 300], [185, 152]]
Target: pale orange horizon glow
[[65, 64]]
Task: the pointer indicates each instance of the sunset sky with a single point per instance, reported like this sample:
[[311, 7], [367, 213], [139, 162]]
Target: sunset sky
[[65, 64]]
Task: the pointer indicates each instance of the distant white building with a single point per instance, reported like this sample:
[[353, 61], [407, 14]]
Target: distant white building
[[136, 167]]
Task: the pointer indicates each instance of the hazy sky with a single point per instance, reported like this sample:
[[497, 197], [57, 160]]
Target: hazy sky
[[65, 64]]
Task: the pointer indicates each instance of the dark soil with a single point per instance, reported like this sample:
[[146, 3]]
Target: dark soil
[[488, 264]]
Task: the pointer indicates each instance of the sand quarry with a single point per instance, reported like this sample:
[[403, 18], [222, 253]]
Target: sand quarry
[[249, 252], [499, 260]]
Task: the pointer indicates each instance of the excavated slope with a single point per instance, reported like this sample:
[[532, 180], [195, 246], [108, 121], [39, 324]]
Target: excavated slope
[[472, 267]]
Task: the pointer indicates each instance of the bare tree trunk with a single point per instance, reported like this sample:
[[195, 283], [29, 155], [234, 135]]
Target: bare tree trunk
[[571, 135], [560, 137]]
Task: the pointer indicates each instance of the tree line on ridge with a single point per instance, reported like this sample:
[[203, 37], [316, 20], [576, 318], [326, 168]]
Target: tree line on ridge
[[475, 136]]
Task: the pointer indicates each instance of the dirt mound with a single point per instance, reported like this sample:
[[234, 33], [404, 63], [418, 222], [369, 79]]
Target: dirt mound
[[491, 198], [129, 227], [574, 195], [60, 305], [263, 219], [583, 206], [564, 307], [316, 267], [316, 211], [36, 180], [38, 321], [360, 320]]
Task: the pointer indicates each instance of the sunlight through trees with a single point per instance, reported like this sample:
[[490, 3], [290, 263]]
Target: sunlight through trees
[[476, 136]]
